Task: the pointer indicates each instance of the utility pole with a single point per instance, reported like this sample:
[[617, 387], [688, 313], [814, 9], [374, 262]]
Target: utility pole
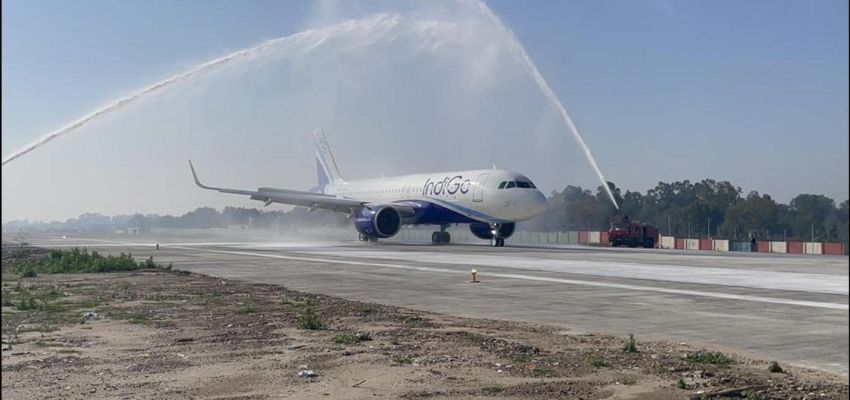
[[813, 231], [668, 224], [689, 229], [708, 230]]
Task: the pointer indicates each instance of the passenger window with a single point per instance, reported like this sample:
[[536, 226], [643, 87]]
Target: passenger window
[[502, 185], [511, 184]]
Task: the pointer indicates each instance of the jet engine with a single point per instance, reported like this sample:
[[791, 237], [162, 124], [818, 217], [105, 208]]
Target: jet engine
[[378, 222], [483, 231]]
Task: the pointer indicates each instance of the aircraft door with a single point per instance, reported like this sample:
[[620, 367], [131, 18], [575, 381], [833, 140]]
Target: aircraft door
[[478, 191]]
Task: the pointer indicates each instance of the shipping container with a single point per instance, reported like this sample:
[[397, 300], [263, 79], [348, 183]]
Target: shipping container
[[795, 247], [593, 237], [692, 244], [668, 242], [721, 245], [572, 237], [778, 247], [680, 243], [833, 248], [813, 248], [583, 237], [705, 244]]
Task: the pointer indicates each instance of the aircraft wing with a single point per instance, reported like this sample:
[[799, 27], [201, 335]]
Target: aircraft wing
[[311, 200], [292, 197]]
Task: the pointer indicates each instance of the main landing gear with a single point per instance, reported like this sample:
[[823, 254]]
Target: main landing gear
[[365, 238], [441, 237]]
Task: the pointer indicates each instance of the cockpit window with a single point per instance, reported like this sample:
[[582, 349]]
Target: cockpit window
[[523, 184], [502, 185], [511, 184]]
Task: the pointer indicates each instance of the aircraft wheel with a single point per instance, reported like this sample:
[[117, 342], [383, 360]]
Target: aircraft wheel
[[363, 238], [500, 242], [440, 237]]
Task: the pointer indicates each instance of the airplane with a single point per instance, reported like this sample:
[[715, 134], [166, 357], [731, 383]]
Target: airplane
[[491, 201]]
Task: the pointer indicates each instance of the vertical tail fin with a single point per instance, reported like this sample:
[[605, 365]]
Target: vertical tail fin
[[326, 167]]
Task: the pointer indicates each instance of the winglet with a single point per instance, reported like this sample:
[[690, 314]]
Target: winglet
[[195, 175]]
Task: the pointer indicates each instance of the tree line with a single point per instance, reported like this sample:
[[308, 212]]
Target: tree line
[[707, 208]]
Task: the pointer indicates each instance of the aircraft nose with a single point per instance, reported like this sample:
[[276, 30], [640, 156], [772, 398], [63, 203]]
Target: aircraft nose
[[541, 205]]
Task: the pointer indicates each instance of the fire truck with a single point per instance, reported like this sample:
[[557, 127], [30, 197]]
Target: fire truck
[[632, 234]]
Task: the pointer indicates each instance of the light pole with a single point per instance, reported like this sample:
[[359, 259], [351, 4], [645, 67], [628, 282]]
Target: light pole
[[708, 230]]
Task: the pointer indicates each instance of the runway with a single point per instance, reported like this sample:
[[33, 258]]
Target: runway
[[789, 308]]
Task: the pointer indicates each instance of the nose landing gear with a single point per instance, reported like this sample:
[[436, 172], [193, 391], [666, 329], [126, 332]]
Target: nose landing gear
[[496, 241]]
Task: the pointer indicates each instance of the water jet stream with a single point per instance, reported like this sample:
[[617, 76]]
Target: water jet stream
[[519, 51], [313, 37]]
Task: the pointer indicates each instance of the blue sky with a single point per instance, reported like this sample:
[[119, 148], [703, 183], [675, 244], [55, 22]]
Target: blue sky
[[754, 92]]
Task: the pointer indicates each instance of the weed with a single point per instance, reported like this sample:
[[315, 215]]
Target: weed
[[522, 358], [397, 359], [774, 367], [751, 395], [631, 346], [246, 310], [596, 360], [680, 384], [493, 389], [309, 319], [28, 272], [707, 357], [26, 303], [541, 371], [346, 338]]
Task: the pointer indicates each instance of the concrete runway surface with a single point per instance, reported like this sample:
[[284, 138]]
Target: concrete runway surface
[[790, 308]]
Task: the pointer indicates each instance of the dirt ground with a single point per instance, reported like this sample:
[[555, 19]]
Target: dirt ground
[[170, 334]]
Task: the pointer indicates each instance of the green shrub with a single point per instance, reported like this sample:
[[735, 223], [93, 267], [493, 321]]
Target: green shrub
[[631, 346], [493, 389], [28, 271], [309, 319], [247, 310], [26, 303], [708, 357], [78, 260], [522, 358], [680, 384], [346, 338], [596, 360], [774, 367]]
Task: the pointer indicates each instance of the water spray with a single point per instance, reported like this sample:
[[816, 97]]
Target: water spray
[[519, 51], [313, 37]]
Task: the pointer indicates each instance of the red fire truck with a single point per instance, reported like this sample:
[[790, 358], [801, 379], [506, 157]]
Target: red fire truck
[[632, 234]]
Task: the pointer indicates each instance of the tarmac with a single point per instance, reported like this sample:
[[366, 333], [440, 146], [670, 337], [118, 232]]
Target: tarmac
[[789, 308]]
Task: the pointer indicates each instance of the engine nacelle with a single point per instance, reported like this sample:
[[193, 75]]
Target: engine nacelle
[[380, 221], [483, 231]]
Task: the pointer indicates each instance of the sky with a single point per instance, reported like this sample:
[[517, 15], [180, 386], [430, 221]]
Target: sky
[[752, 92]]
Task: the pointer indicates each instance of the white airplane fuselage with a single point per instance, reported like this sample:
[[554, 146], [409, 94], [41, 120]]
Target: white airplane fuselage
[[473, 194]]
